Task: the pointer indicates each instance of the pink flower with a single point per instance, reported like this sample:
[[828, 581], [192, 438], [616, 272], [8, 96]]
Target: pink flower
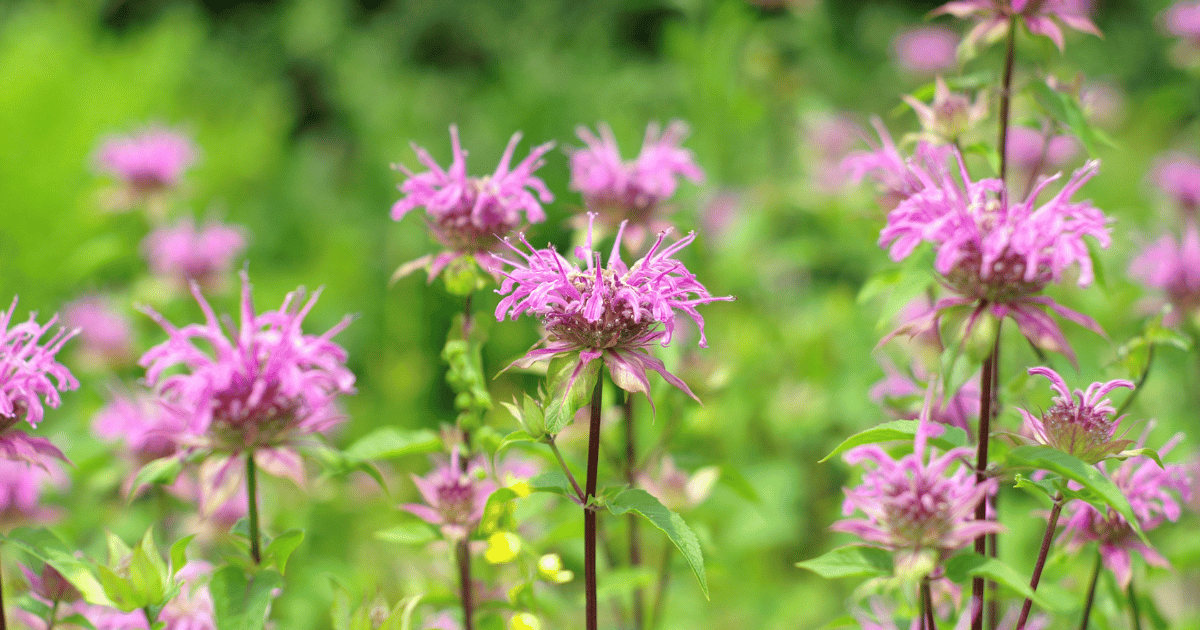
[[831, 137], [183, 253], [897, 389], [926, 49], [1178, 175], [147, 428], [1182, 19], [995, 253], [29, 375], [263, 385], [454, 496], [914, 505], [1174, 268], [192, 608], [951, 114], [470, 215], [612, 313], [1032, 150], [618, 191], [105, 334], [1081, 424], [147, 161], [21, 487], [1041, 17], [676, 489], [890, 168], [1151, 491]]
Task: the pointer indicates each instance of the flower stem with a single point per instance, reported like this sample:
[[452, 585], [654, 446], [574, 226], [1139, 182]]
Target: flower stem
[[562, 463], [1091, 594], [1006, 98], [660, 590], [252, 499], [928, 618], [50, 623], [1137, 388], [1135, 613], [635, 543], [987, 381], [3, 614], [463, 555], [589, 515], [1041, 561]]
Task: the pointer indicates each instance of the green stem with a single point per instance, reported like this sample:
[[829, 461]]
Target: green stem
[[563, 464], [1041, 561], [987, 381], [1006, 98], [463, 556], [928, 618], [50, 623], [635, 543], [589, 515], [252, 499], [3, 614], [1135, 613], [1137, 388], [660, 590], [1091, 593]]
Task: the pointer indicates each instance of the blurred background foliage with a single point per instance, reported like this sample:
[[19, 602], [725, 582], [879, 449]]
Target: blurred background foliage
[[300, 106]]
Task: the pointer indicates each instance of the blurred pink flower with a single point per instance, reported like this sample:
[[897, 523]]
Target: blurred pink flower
[[147, 161], [1151, 491], [264, 385], [192, 608], [1041, 17], [831, 137], [455, 494], [676, 489], [470, 215], [1174, 268], [613, 313], [183, 253], [1032, 150], [1178, 175], [926, 49], [21, 487], [951, 114], [632, 191], [146, 428], [105, 334], [897, 391], [29, 374], [1079, 424], [1182, 20], [890, 168]]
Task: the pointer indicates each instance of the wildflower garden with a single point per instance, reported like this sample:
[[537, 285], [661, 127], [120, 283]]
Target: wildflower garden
[[634, 315]]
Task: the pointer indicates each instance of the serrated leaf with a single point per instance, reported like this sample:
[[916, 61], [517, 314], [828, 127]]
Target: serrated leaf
[[967, 565], [282, 546], [899, 430], [851, 561], [160, 471], [1075, 469], [565, 397], [391, 442], [408, 534], [645, 505], [516, 437], [48, 548], [240, 603]]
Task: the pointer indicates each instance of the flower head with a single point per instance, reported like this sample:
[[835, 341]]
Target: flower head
[[1041, 17], [470, 215], [1178, 175], [455, 495], [29, 375], [1080, 424], [951, 114], [182, 253], [612, 312], [50, 584], [147, 161], [21, 488], [1152, 492], [261, 385], [926, 49], [675, 488], [915, 505], [632, 191], [1174, 268], [105, 334], [995, 253], [1182, 20]]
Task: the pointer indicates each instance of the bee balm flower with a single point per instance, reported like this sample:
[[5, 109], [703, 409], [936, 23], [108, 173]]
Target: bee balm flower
[[29, 375], [1041, 17], [611, 313], [470, 215], [455, 496], [148, 161], [182, 253], [1084, 427]]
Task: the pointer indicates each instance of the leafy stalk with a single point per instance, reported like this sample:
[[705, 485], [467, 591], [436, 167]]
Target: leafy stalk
[[1091, 594], [252, 498], [1041, 561], [635, 543], [986, 397], [463, 556], [589, 515]]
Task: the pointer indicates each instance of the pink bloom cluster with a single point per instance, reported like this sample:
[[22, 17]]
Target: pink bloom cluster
[[632, 191], [1182, 19], [21, 488], [1174, 268], [914, 505], [1041, 17], [926, 49], [676, 489], [613, 312], [1178, 175], [1080, 424], [1151, 490], [956, 410], [105, 337], [264, 385], [991, 251], [29, 374], [149, 160], [469, 215], [455, 495], [182, 253]]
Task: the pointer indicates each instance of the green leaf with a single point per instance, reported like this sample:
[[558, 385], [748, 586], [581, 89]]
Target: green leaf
[[899, 430], [48, 548], [463, 276], [736, 481], [240, 603], [408, 534], [148, 573], [566, 398], [391, 442], [179, 553], [644, 504], [1138, 452], [554, 482], [1065, 109], [967, 565], [1055, 461], [282, 546], [851, 560], [465, 376], [119, 590], [159, 471]]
